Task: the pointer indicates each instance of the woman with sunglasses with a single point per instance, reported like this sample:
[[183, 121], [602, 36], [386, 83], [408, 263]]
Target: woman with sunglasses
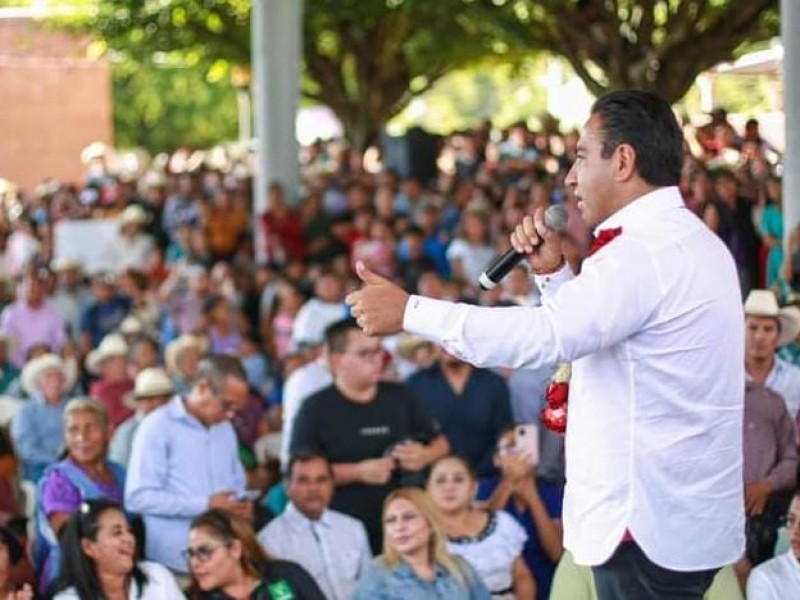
[[98, 559], [227, 563]]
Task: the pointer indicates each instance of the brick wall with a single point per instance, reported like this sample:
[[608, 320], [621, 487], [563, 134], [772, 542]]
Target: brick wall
[[53, 102]]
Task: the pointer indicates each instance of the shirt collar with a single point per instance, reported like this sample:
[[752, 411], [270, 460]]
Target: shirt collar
[[642, 208], [296, 518], [404, 571]]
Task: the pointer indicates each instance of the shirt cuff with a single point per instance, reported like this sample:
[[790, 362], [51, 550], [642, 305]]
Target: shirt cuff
[[428, 318], [551, 282]]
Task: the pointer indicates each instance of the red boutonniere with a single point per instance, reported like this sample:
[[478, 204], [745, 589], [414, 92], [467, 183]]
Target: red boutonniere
[[604, 236], [554, 415]]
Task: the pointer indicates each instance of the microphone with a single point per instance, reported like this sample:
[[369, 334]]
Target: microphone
[[555, 219]]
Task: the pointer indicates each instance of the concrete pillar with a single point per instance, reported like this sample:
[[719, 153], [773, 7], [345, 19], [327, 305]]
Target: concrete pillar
[[790, 35], [276, 46]]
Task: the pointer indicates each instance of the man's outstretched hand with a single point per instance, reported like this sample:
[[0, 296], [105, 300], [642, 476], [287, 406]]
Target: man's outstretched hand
[[379, 305]]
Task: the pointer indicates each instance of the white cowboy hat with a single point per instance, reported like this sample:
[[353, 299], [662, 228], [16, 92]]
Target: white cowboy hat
[[131, 326], [763, 303], [133, 214], [35, 368], [150, 382], [178, 346], [111, 345]]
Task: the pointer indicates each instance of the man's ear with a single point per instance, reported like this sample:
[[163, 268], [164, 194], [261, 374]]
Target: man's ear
[[625, 162]]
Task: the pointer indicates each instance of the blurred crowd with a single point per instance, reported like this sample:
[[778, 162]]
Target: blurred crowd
[[205, 383]]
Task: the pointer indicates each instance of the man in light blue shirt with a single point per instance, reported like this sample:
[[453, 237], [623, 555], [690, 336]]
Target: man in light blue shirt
[[185, 460]]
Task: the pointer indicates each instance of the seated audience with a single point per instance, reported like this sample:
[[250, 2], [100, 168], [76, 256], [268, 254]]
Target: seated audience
[[227, 563], [152, 389], [99, 559], [37, 429], [330, 545], [491, 542], [774, 579], [415, 563], [84, 474]]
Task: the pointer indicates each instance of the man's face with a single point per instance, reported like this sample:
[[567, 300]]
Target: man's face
[[310, 487], [592, 176], [761, 337], [793, 525], [216, 406], [360, 365]]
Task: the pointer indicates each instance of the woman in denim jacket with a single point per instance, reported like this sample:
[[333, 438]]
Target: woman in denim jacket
[[415, 564]]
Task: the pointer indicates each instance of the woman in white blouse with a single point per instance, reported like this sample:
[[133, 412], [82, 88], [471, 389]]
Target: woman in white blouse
[[490, 541], [98, 559]]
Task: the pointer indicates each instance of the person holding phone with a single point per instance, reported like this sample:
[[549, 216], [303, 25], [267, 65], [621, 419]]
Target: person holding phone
[[185, 460], [534, 503]]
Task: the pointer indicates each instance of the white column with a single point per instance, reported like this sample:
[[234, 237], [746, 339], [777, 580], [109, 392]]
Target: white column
[[790, 35], [276, 46]]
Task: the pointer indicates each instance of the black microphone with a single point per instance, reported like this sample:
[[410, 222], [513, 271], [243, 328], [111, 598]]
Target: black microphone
[[555, 219]]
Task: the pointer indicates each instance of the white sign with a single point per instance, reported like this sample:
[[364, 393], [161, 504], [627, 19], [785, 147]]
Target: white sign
[[86, 241]]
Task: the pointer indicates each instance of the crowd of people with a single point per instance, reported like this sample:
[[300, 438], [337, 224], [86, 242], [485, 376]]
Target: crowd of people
[[204, 417]]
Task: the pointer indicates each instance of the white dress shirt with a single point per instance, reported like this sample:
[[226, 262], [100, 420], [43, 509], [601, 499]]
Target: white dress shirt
[[784, 378], [654, 327], [334, 549], [776, 579], [160, 585]]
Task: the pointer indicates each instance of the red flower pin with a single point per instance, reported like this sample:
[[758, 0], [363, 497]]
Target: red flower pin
[[603, 237]]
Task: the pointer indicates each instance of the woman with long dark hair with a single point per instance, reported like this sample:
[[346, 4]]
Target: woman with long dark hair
[[98, 559], [227, 563]]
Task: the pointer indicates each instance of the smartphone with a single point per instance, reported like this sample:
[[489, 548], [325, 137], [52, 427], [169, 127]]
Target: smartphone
[[247, 495], [526, 442]]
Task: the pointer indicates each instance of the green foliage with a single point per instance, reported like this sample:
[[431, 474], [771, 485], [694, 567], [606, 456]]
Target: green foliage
[[163, 106]]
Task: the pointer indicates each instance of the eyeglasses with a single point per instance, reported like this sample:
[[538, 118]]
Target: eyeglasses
[[202, 553]]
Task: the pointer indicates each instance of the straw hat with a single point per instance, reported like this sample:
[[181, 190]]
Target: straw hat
[[150, 382], [34, 369], [111, 345], [133, 214], [178, 346], [763, 303], [408, 344]]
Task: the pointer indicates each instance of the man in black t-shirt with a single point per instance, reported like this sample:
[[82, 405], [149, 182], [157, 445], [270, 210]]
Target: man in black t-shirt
[[375, 433]]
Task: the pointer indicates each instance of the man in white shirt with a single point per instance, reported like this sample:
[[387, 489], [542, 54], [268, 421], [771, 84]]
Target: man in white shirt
[[776, 578], [653, 327], [330, 545]]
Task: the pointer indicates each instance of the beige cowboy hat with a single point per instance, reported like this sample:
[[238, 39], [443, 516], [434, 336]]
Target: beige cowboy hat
[[131, 326], [763, 303], [150, 382], [111, 345], [65, 263], [35, 368], [178, 346], [133, 214]]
